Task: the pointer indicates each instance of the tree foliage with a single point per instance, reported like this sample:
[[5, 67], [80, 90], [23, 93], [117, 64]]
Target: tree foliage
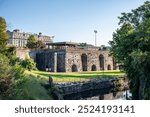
[[40, 44], [4, 67], [3, 34], [28, 88], [33, 43], [131, 48], [29, 64], [14, 83], [5, 75]]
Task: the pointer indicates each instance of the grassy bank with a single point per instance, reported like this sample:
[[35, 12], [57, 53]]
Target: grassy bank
[[75, 76]]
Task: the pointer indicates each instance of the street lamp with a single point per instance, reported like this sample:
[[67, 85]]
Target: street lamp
[[95, 31]]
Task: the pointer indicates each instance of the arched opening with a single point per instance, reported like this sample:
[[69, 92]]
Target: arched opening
[[74, 68], [101, 62], [84, 62], [93, 68], [109, 67]]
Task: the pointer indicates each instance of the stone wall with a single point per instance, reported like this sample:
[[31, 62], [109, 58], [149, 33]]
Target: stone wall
[[101, 84], [53, 61], [73, 59], [74, 56], [22, 53]]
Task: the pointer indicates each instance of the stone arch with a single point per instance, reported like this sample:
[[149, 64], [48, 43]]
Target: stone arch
[[84, 62], [101, 61], [74, 68], [109, 67], [93, 68]]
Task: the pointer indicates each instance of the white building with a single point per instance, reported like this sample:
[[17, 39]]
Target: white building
[[19, 39]]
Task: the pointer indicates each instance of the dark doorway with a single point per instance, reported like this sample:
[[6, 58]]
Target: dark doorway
[[46, 68], [84, 62], [93, 68], [109, 67], [60, 62], [101, 61], [74, 68]]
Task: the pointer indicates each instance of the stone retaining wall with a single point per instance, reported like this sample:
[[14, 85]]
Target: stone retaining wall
[[104, 83]]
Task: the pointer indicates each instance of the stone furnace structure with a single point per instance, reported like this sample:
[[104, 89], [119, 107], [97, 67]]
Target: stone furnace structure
[[74, 57]]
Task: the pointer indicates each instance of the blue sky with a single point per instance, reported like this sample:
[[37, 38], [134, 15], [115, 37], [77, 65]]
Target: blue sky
[[67, 20]]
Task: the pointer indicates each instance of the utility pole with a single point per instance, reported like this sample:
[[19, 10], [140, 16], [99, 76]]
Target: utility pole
[[95, 31]]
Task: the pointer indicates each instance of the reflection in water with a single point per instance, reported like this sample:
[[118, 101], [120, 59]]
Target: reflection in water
[[124, 95], [100, 95]]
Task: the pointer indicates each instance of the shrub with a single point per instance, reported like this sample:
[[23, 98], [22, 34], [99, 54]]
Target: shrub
[[29, 64], [18, 71], [28, 88]]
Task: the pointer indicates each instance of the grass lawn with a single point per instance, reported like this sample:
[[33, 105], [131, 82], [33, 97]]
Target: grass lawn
[[75, 76]]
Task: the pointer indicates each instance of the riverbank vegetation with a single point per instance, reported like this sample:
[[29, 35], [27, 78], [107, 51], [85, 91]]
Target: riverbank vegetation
[[14, 82], [131, 49]]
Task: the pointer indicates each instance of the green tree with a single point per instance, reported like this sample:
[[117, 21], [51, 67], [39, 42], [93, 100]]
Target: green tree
[[5, 75], [3, 34], [131, 48], [4, 66], [40, 44], [14, 83], [31, 42]]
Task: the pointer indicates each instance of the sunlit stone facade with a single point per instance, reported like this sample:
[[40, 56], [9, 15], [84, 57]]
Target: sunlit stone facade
[[74, 57], [19, 39]]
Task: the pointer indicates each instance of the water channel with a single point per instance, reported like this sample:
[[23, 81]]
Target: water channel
[[100, 95]]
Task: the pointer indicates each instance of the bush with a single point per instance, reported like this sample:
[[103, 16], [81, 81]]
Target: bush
[[18, 72], [28, 88], [28, 64]]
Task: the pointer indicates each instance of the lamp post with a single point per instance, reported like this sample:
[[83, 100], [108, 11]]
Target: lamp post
[[95, 31]]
